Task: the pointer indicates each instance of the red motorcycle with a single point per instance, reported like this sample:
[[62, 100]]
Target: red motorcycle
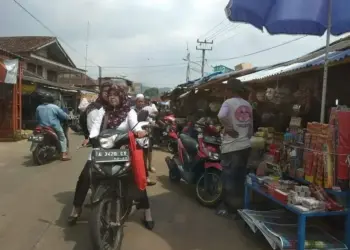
[[168, 134], [45, 144], [197, 162]]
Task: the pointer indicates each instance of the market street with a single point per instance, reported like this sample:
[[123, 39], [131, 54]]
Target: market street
[[35, 202]]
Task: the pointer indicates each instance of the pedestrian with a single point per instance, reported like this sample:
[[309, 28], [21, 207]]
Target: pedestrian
[[117, 114], [140, 105], [153, 112], [236, 116]]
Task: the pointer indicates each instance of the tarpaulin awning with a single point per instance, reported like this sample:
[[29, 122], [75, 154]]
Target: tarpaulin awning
[[9, 71], [332, 57]]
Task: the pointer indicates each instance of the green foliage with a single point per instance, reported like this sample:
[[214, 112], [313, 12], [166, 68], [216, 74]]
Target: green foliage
[[151, 92]]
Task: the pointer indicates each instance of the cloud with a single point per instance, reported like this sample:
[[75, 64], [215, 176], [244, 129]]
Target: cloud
[[149, 32]]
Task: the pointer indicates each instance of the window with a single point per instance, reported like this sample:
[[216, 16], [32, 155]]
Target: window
[[39, 70], [31, 67], [52, 76]]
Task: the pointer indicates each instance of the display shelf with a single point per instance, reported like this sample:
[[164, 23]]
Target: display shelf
[[302, 216]]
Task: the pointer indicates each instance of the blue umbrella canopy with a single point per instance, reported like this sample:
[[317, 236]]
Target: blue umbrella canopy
[[309, 17], [297, 17]]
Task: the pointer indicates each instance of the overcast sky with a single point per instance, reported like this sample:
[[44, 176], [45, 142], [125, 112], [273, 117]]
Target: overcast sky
[[139, 33]]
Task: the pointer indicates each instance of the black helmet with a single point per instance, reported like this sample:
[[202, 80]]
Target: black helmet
[[47, 98]]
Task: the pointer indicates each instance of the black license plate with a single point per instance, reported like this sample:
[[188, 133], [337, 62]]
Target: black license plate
[[111, 155]]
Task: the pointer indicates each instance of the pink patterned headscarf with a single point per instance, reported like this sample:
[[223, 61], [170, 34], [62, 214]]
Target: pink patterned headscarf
[[116, 115]]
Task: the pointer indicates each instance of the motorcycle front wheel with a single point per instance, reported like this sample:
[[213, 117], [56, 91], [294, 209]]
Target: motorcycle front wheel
[[171, 146], [106, 229], [209, 188]]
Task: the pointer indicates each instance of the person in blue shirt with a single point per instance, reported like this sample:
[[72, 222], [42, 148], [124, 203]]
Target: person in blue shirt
[[50, 115]]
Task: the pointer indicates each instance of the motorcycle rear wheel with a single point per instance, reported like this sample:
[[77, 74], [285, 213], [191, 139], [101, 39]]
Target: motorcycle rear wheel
[[103, 236], [38, 156]]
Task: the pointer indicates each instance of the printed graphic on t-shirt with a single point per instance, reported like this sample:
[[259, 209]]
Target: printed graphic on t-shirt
[[243, 115]]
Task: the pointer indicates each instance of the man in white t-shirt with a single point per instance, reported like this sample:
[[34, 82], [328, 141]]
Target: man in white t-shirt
[[150, 107], [153, 112], [236, 115]]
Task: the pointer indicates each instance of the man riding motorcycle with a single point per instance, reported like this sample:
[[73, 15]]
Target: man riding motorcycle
[[50, 115]]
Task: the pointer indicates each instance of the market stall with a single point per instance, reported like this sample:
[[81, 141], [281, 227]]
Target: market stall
[[306, 171]]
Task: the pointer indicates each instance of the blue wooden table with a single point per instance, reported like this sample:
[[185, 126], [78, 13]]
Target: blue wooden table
[[302, 216]]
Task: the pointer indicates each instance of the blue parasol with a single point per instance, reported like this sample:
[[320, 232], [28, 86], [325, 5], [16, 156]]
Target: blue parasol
[[297, 17]]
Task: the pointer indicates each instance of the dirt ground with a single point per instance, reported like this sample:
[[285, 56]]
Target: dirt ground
[[35, 202]]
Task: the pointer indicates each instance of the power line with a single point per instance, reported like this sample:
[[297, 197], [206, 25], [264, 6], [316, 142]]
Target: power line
[[260, 51], [51, 31], [221, 31], [141, 66], [208, 32], [196, 62]]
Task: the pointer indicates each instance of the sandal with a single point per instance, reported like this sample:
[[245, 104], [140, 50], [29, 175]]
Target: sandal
[[72, 220], [148, 224]]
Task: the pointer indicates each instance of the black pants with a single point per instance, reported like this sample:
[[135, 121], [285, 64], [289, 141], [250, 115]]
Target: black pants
[[83, 186], [145, 159], [234, 171]]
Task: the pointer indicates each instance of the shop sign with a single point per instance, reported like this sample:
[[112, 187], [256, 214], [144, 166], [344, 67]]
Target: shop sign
[[28, 88], [9, 71]]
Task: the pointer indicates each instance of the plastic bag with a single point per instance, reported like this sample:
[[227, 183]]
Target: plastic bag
[[137, 163]]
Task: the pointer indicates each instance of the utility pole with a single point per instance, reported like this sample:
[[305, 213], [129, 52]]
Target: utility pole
[[203, 49], [188, 71], [99, 76], [86, 51]]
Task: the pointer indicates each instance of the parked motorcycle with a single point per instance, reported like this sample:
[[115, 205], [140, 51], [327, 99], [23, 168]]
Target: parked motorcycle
[[45, 145], [167, 135], [197, 163], [112, 193]]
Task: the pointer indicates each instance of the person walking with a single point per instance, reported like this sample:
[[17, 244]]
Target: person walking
[[236, 116], [140, 105], [153, 112]]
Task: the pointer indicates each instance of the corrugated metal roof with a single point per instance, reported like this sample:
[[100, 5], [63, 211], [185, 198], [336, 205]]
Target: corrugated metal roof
[[333, 57]]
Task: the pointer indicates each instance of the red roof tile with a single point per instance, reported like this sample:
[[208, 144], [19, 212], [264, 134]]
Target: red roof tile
[[17, 44]]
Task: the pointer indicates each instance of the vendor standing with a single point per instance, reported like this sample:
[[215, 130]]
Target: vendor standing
[[236, 116]]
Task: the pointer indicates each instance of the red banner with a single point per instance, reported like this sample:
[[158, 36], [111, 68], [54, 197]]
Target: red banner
[[8, 71]]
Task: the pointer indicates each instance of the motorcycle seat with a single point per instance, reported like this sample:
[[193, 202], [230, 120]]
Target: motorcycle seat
[[190, 144]]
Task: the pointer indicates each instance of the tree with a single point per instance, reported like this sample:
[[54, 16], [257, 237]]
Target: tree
[[151, 92]]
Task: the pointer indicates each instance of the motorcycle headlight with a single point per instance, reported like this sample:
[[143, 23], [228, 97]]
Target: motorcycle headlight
[[214, 156], [108, 142]]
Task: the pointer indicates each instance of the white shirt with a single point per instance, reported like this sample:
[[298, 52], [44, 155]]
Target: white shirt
[[237, 114], [91, 118], [128, 124], [152, 109], [95, 120]]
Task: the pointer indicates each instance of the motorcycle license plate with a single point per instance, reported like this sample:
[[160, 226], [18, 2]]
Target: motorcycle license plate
[[36, 138], [110, 155]]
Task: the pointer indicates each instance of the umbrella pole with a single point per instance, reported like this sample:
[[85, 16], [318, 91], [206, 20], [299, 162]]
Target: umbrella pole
[[325, 70]]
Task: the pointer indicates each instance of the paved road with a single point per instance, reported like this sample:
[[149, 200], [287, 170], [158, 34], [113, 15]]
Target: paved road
[[35, 202]]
